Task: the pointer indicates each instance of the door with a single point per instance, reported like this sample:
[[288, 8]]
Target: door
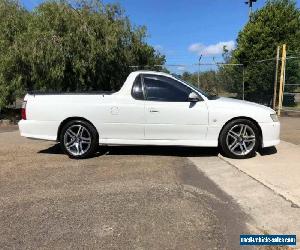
[[169, 114]]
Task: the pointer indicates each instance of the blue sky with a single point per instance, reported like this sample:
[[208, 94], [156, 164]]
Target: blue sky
[[174, 26], [183, 29]]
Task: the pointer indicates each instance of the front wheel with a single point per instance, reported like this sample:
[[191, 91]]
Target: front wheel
[[79, 139], [240, 139]]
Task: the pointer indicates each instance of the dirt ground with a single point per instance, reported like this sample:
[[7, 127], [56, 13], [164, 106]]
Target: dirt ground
[[124, 198]]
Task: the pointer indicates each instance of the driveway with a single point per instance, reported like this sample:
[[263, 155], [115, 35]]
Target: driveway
[[126, 198]]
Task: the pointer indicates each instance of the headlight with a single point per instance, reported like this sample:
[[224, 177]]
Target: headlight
[[274, 117]]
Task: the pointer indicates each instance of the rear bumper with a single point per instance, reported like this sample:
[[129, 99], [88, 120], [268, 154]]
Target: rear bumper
[[45, 130], [270, 133]]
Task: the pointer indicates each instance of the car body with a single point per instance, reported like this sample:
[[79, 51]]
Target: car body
[[147, 110]]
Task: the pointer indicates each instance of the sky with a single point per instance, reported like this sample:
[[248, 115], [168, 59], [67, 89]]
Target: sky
[[184, 29]]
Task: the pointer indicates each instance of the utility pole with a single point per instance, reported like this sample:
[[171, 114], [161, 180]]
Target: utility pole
[[243, 83], [250, 4], [282, 79], [276, 78], [199, 71]]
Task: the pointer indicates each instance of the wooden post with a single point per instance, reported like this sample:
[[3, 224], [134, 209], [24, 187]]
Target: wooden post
[[243, 83], [282, 75], [276, 78]]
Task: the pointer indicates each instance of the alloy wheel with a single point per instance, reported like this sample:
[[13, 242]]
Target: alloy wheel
[[240, 139], [77, 140]]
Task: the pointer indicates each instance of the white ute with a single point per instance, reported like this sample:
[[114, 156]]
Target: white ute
[[151, 108]]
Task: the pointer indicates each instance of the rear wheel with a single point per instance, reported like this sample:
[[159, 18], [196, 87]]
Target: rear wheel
[[79, 139], [240, 139]]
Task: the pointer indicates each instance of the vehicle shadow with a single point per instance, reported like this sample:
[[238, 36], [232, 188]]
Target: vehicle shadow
[[144, 150], [160, 151], [268, 151]]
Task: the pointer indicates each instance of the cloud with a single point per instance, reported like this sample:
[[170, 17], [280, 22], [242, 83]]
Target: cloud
[[181, 68], [212, 49]]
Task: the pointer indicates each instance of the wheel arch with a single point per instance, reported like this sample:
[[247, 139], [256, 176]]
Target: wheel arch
[[246, 118], [73, 118]]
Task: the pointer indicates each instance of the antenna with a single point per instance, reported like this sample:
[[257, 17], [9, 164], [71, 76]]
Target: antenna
[[250, 4]]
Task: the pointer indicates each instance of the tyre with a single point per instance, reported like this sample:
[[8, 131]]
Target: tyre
[[79, 139], [240, 139]]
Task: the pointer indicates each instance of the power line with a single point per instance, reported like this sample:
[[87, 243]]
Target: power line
[[212, 64]]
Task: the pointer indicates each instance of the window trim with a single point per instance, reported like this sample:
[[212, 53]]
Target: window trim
[[145, 91]]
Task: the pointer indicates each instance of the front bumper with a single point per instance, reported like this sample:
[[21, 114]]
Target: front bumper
[[270, 133]]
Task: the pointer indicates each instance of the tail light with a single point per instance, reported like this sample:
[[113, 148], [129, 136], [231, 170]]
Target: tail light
[[23, 110]]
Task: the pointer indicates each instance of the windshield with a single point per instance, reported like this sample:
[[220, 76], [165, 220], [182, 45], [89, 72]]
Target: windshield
[[208, 96]]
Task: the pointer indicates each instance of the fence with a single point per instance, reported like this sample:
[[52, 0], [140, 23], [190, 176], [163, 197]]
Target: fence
[[291, 86]]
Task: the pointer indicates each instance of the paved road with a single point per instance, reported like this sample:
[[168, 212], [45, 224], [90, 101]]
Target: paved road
[[126, 198], [290, 129]]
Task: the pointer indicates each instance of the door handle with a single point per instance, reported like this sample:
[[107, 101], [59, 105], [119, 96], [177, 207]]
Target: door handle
[[153, 110]]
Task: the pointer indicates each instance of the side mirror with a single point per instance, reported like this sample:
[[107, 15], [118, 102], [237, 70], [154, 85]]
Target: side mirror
[[193, 97]]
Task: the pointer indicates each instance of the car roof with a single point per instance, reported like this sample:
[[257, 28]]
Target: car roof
[[152, 72]]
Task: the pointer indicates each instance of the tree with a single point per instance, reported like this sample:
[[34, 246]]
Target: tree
[[13, 19], [62, 46], [208, 80], [278, 22]]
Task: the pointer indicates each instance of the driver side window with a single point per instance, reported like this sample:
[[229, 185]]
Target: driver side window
[[165, 89]]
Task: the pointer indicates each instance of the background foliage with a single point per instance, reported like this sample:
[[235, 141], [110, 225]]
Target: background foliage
[[87, 45], [68, 46], [278, 22]]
